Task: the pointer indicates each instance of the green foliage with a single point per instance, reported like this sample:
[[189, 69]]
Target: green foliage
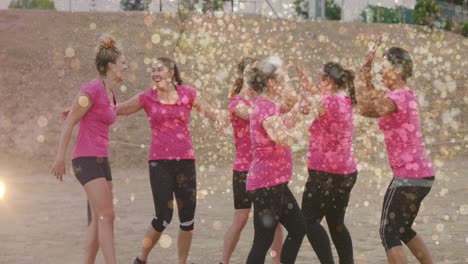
[[379, 14], [135, 5], [212, 5], [426, 12], [300, 7], [465, 29], [332, 10], [33, 4], [447, 24]]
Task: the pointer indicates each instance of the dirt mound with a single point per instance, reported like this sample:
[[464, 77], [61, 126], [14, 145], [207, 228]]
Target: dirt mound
[[47, 56]]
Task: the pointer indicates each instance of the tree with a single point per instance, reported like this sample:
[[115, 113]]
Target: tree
[[212, 5], [427, 12], [135, 5], [33, 4], [379, 14], [332, 10], [301, 8]]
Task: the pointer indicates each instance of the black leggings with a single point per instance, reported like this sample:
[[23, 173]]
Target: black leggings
[[273, 205], [327, 195], [169, 178], [401, 205]]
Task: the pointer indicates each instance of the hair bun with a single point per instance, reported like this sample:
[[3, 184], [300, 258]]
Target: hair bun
[[107, 42]]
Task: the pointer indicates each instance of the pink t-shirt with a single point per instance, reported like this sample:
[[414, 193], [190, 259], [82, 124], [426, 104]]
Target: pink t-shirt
[[170, 135], [403, 137], [241, 129], [93, 134], [272, 163], [331, 137]]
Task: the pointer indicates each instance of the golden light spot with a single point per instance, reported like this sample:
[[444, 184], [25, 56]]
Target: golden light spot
[[123, 88], [165, 241], [148, 20], [217, 225], [133, 66], [147, 242], [83, 101], [92, 26], [464, 209], [40, 139], [42, 121], [273, 253], [69, 52], [2, 190], [148, 45], [147, 61], [115, 201], [155, 38], [132, 197], [75, 63]]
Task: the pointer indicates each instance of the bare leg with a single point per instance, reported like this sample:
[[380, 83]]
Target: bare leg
[[277, 244], [396, 255], [419, 250], [100, 198], [151, 238], [184, 241], [232, 236], [92, 242]]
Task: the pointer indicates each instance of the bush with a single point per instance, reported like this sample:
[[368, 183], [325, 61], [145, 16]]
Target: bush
[[427, 12], [465, 29], [33, 4]]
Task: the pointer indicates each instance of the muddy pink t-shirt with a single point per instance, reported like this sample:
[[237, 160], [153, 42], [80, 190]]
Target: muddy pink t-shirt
[[331, 137], [170, 135], [272, 163], [403, 136], [93, 134], [242, 142]]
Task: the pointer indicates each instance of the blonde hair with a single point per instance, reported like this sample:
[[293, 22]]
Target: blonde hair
[[107, 51]]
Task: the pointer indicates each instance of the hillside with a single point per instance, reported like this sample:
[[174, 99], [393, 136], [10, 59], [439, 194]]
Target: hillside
[[46, 56]]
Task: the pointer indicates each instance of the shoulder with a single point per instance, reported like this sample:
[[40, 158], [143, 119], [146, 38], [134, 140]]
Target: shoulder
[[188, 90], [92, 88]]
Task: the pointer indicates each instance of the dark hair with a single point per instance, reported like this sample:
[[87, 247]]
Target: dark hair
[[237, 87], [400, 58], [258, 75], [107, 51], [343, 78], [170, 64]]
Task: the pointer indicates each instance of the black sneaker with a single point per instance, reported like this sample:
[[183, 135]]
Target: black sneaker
[[138, 261]]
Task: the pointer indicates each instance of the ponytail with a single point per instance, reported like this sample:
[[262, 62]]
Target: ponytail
[[348, 79], [237, 87]]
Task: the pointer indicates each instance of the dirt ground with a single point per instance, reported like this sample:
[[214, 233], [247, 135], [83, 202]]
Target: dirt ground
[[46, 56]]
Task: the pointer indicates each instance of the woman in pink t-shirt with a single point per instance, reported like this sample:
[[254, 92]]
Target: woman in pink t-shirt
[[413, 173], [239, 114], [271, 169], [95, 111], [330, 162], [171, 157]]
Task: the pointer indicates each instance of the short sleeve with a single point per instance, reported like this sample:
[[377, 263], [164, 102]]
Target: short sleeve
[[400, 97], [188, 95], [268, 109], [91, 90], [235, 101], [143, 98]]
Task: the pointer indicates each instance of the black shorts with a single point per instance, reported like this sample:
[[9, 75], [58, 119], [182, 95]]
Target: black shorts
[[241, 198], [171, 178], [400, 208], [87, 169]]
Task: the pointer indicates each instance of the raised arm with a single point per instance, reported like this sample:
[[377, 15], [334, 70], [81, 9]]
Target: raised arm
[[80, 107], [371, 102], [130, 106]]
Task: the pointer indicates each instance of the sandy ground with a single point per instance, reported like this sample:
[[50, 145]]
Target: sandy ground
[[46, 56], [43, 220]]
